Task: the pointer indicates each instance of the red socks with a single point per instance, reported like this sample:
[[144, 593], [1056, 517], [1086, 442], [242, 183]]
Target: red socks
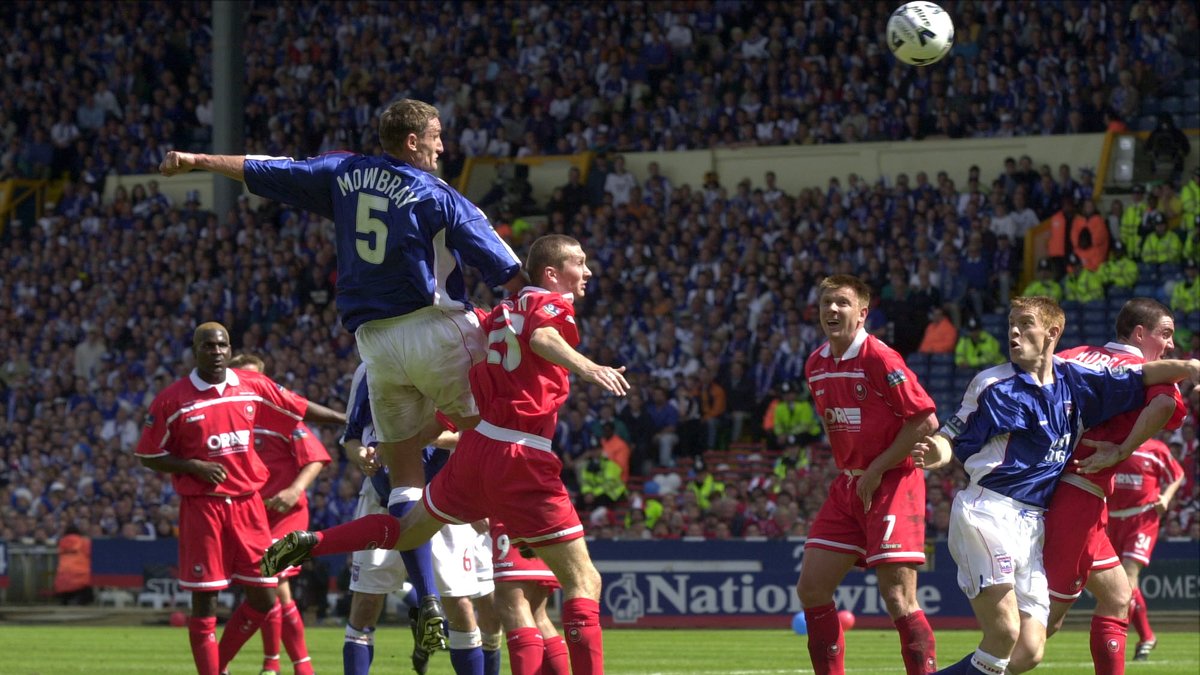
[[244, 622], [374, 531], [1139, 618], [556, 661], [581, 619], [202, 633], [526, 651], [917, 644], [1107, 640], [826, 644], [270, 636], [293, 639]]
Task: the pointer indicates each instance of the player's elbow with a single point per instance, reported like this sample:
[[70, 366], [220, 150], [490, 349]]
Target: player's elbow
[[927, 426], [1161, 407], [542, 342]]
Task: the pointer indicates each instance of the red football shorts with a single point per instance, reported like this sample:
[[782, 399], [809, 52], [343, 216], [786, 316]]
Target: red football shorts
[[282, 523], [1076, 543], [222, 539], [1134, 537], [509, 565], [892, 532], [517, 484]]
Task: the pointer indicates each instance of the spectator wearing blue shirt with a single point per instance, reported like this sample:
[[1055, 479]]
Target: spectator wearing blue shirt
[[976, 271], [665, 418]]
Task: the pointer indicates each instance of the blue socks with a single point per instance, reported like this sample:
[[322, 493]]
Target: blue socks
[[491, 661], [419, 561], [466, 652], [358, 651], [468, 661]]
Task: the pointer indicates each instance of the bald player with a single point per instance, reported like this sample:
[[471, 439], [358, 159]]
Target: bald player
[[201, 431]]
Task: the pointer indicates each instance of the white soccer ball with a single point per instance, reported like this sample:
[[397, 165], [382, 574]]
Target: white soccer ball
[[920, 33]]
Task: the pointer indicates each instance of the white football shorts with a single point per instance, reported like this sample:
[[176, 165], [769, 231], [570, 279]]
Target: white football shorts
[[997, 540], [417, 364]]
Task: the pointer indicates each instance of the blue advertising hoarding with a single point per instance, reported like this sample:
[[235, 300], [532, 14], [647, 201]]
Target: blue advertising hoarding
[[733, 583], [722, 584]]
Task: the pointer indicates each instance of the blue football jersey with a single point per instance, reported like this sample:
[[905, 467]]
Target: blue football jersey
[[1015, 436], [402, 234]]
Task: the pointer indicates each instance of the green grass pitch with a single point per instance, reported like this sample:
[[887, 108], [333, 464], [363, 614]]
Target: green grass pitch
[[57, 649]]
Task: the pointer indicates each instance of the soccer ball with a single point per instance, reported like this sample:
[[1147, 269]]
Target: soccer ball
[[920, 33]]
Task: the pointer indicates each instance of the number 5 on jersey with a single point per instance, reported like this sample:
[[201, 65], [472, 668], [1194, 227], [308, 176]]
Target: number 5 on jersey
[[510, 357], [371, 249]]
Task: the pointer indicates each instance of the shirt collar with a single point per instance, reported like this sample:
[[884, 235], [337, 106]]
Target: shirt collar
[[851, 351], [1128, 349], [569, 297], [231, 378]]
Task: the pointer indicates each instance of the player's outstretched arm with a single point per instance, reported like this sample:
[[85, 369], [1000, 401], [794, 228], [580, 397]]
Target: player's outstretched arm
[[550, 345], [230, 166], [932, 452], [321, 415], [1170, 370], [1152, 418]]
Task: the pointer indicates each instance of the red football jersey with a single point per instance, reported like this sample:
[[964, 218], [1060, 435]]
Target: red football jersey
[[1142, 476], [1116, 429], [515, 388], [864, 398], [285, 451], [192, 419]]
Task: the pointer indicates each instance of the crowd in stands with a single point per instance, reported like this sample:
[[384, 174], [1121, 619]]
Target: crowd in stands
[[710, 288], [93, 89]]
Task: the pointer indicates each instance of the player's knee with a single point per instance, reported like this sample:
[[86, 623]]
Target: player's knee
[[584, 581], [1023, 661], [261, 599], [1036, 654], [899, 601], [205, 604], [592, 582], [811, 594], [1114, 604], [1055, 625], [492, 641], [1002, 637], [460, 613]]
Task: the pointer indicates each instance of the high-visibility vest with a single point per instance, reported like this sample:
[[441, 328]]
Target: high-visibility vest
[[1164, 248], [1131, 225]]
